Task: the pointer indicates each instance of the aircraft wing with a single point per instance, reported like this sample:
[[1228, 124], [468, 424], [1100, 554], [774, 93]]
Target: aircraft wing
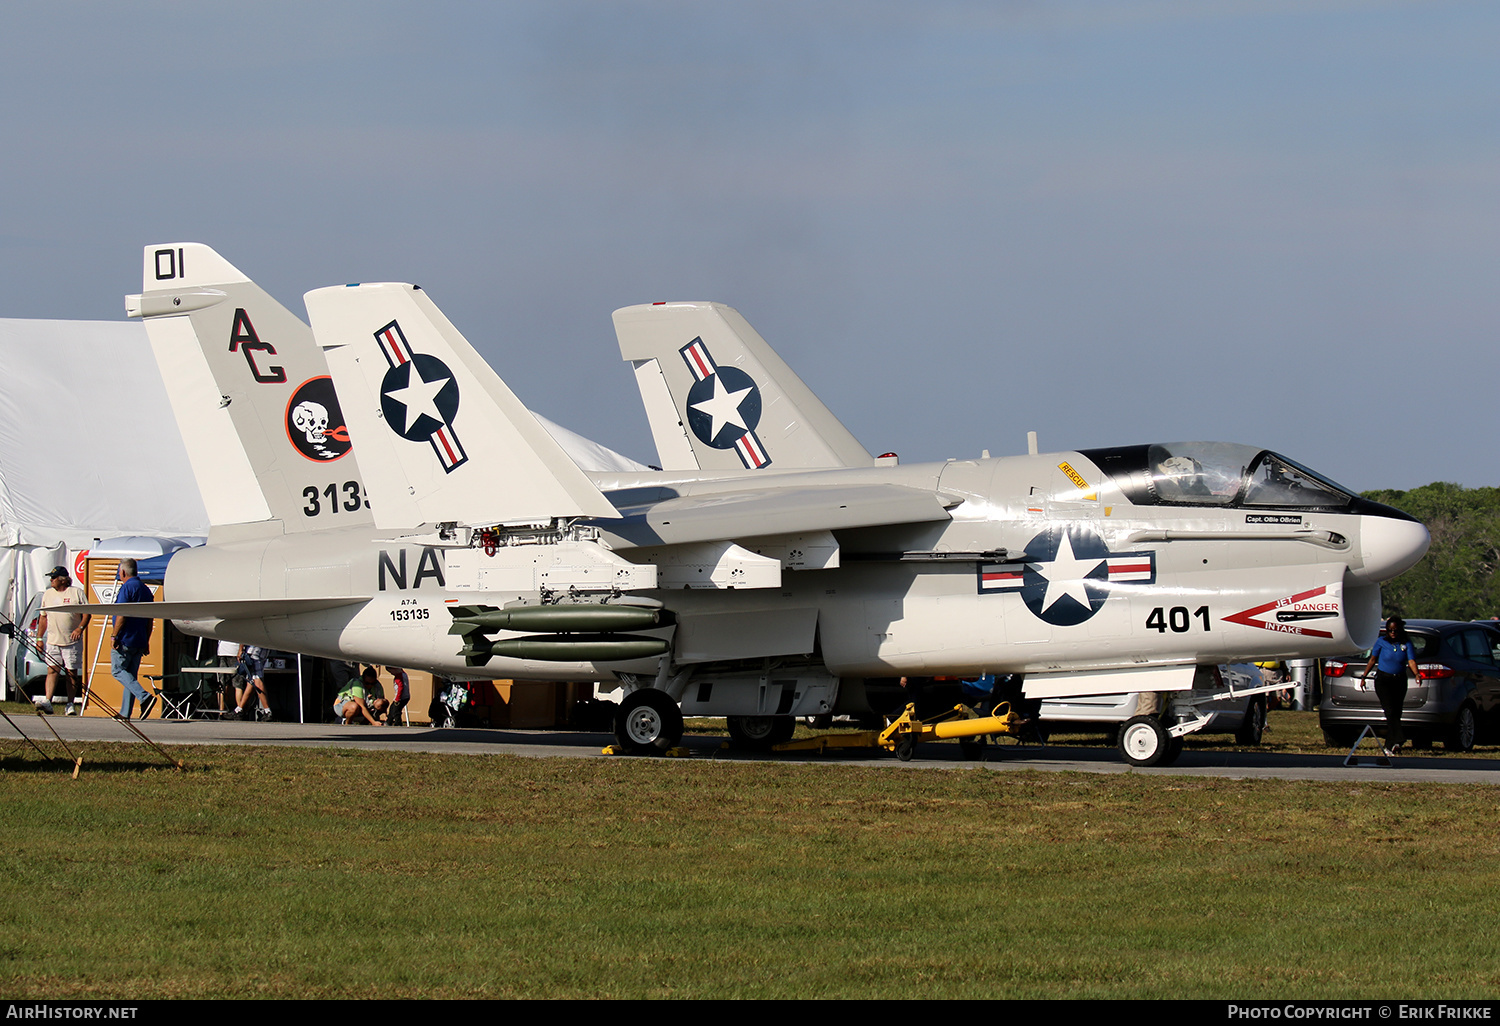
[[224, 609], [725, 516]]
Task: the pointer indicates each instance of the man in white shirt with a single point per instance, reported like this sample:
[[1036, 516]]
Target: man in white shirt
[[62, 634]]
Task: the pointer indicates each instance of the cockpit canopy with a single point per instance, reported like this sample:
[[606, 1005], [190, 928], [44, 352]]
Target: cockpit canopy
[[1216, 474]]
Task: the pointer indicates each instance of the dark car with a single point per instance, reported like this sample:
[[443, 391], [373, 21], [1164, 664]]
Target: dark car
[[1455, 698]]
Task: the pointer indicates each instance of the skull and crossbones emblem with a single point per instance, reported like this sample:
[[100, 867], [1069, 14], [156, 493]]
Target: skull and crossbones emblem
[[314, 422]]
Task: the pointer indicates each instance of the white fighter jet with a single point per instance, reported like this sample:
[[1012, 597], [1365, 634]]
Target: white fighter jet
[[417, 514]]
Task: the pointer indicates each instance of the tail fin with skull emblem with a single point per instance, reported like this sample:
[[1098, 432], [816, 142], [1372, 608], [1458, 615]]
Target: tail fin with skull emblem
[[252, 395]]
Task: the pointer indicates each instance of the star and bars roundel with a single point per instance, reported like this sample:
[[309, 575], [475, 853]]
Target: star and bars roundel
[[1067, 574], [723, 406], [419, 397]]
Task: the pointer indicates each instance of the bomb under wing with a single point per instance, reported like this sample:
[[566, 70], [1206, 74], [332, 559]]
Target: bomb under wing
[[564, 633]]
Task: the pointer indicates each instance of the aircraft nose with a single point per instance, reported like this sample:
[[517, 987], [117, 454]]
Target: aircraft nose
[[1390, 547]]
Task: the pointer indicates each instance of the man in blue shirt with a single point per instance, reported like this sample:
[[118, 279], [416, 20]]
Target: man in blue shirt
[[132, 640], [1392, 654]]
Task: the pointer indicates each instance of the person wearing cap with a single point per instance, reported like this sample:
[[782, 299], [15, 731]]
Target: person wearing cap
[[62, 636], [131, 641]]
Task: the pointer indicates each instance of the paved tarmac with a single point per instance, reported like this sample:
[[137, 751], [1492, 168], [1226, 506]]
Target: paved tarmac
[[571, 744]]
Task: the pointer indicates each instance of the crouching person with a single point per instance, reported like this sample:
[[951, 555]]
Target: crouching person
[[359, 699]]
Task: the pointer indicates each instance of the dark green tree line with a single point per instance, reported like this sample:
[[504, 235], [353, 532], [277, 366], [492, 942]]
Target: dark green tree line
[[1456, 579]]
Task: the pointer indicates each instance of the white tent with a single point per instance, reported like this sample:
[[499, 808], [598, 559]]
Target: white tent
[[89, 449]]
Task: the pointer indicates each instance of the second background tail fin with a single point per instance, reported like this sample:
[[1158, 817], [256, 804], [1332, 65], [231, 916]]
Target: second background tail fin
[[719, 398]]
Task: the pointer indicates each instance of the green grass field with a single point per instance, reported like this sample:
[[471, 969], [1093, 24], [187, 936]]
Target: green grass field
[[314, 873]]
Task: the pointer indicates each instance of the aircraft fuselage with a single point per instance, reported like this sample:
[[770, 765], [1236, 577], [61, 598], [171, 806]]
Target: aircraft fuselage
[[1047, 565]]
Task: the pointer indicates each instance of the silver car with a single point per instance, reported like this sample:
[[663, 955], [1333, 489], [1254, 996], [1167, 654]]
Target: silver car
[[1245, 718], [1455, 698]]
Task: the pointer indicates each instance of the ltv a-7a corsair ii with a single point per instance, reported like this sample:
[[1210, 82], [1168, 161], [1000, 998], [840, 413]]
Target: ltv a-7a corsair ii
[[377, 493]]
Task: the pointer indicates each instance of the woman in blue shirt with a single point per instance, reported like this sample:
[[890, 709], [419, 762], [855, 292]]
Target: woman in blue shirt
[[1392, 654]]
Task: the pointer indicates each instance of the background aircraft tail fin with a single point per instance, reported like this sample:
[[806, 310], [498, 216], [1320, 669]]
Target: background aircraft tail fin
[[719, 398], [251, 393], [441, 436]]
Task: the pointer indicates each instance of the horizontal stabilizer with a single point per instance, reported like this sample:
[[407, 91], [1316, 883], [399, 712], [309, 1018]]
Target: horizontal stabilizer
[[441, 437], [227, 609]]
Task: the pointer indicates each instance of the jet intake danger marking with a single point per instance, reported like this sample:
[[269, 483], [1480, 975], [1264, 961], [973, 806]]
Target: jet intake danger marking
[[429, 565], [242, 337], [314, 423], [1287, 612], [419, 397], [723, 406], [1068, 575]]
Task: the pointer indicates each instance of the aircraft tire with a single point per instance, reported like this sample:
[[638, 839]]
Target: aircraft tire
[[648, 722], [972, 749], [760, 733], [1144, 741], [1254, 727]]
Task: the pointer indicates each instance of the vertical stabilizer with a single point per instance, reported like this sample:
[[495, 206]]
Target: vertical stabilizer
[[442, 439], [251, 393], [719, 398]]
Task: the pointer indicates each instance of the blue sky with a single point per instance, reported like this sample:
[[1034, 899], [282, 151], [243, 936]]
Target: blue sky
[[1272, 223]]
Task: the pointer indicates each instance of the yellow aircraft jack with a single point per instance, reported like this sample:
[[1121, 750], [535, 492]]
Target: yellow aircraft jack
[[906, 731]]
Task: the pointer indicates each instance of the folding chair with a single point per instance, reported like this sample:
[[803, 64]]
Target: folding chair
[[176, 704]]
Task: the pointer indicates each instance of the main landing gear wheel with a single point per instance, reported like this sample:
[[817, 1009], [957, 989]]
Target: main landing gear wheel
[[760, 733], [648, 722], [1144, 741]]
